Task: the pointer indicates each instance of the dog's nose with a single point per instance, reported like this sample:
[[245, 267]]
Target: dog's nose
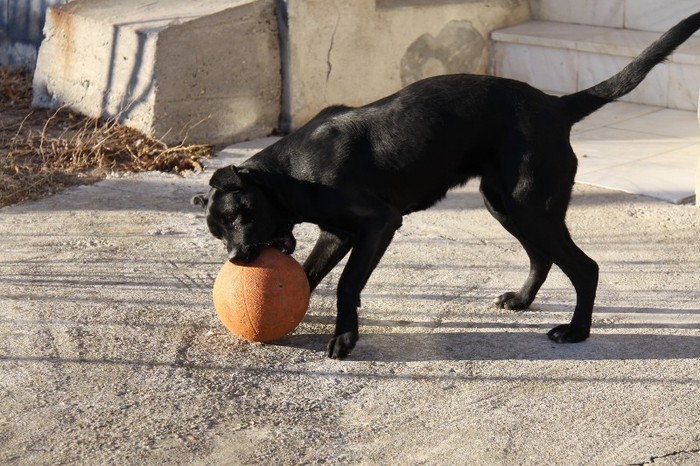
[[237, 255], [243, 255]]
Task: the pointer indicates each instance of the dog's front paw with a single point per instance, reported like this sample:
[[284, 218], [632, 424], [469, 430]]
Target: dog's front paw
[[568, 333], [341, 345], [511, 301], [285, 243]]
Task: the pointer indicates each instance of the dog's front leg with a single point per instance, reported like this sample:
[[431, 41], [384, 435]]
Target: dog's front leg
[[367, 250], [330, 248]]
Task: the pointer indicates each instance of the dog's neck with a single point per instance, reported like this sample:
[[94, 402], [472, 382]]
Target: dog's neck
[[301, 201]]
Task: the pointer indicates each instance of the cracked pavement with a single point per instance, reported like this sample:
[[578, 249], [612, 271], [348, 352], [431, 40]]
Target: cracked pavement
[[111, 352]]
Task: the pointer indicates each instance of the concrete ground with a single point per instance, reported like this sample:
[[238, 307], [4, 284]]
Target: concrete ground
[[111, 352]]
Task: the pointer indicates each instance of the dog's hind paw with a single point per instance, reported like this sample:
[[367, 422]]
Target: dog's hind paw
[[568, 333], [511, 301], [341, 345]]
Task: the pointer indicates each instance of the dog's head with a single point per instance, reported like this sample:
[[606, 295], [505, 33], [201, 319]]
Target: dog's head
[[243, 216]]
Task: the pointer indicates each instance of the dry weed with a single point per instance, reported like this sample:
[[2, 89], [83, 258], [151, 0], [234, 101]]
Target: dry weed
[[43, 151]]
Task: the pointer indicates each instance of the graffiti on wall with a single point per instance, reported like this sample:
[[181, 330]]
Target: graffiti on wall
[[458, 48]]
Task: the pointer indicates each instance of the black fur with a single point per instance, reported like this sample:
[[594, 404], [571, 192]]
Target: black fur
[[355, 172]]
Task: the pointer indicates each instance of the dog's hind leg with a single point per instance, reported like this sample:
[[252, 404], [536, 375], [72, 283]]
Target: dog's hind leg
[[328, 251], [539, 265], [528, 191], [546, 234], [554, 239]]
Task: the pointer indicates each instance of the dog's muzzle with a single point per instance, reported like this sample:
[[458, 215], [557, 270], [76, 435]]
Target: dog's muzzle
[[244, 255]]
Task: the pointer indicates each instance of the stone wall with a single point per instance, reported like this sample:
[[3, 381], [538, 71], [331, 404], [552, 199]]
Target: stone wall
[[175, 69], [353, 52]]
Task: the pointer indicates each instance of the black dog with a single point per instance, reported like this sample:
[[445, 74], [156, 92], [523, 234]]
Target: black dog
[[355, 172]]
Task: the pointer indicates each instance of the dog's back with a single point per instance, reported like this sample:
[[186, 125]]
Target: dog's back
[[411, 147]]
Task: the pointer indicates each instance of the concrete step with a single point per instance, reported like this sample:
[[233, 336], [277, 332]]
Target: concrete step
[[176, 70], [642, 15], [565, 58]]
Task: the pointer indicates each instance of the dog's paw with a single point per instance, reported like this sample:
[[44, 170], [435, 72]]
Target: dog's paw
[[511, 301], [285, 243], [341, 345], [568, 333]]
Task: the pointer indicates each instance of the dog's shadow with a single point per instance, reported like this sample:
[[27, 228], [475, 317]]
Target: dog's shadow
[[463, 342], [516, 345]]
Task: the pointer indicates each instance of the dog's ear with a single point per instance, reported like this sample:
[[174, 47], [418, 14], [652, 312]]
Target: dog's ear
[[200, 200], [226, 179]]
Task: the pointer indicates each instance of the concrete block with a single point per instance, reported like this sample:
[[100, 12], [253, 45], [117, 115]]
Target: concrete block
[[355, 52], [176, 70]]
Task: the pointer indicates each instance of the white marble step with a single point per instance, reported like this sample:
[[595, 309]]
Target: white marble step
[[642, 15], [565, 58]]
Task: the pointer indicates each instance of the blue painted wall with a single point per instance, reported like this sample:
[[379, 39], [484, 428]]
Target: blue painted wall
[[21, 25]]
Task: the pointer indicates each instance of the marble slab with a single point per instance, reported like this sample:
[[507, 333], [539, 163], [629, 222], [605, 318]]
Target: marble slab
[[683, 86], [653, 153], [606, 148], [593, 39], [559, 57], [609, 13], [657, 15], [669, 177], [689, 51], [549, 34], [594, 68], [675, 124], [613, 113], [550, 70]]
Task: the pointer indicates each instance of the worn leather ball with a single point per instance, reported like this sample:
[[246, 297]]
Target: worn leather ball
[[263, 300]]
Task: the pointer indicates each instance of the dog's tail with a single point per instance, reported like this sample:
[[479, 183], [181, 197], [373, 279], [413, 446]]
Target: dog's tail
[[581, 104]]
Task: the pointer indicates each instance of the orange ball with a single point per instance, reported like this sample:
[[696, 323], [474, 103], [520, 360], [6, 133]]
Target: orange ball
[[263, 300]]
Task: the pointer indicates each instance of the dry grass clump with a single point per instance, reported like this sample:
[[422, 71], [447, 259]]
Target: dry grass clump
[[44, 151]]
